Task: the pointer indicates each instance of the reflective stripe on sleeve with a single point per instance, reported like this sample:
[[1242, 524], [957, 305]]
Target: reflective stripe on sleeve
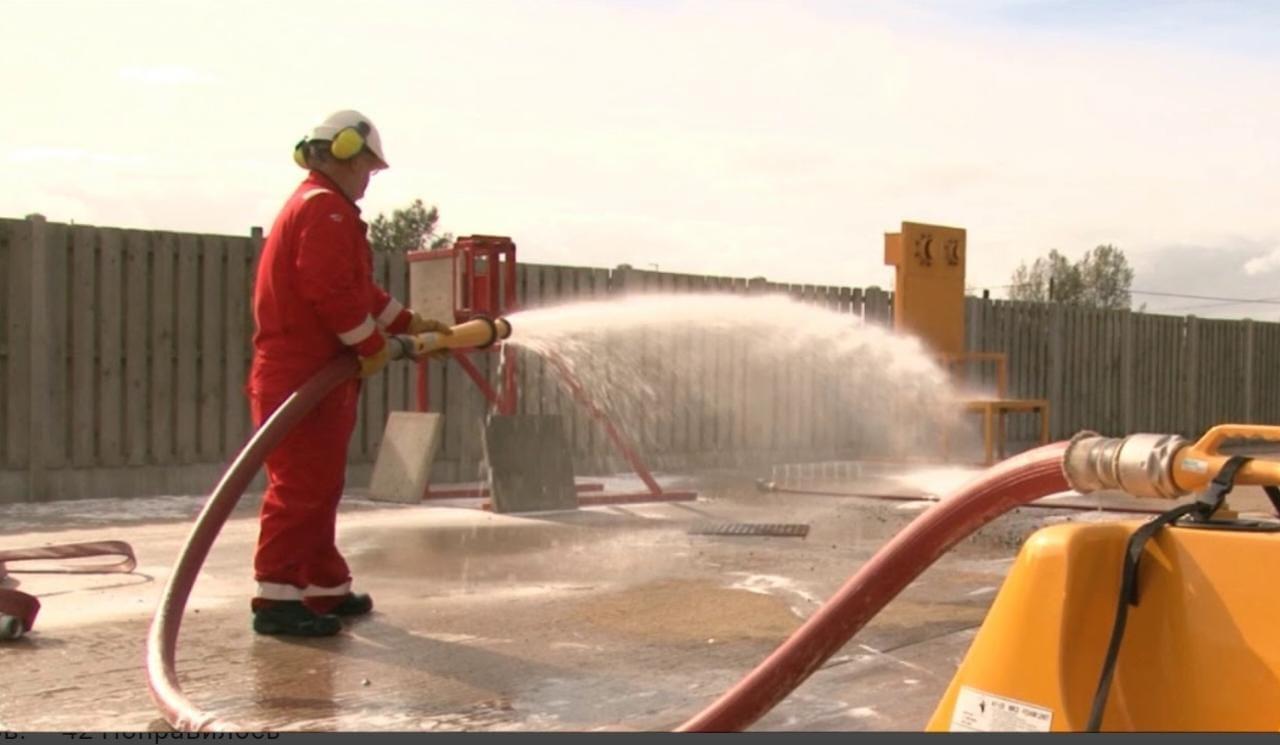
[[389, 313], [358, 334]]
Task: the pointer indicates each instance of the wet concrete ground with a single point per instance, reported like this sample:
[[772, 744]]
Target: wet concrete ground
[[603, 618]]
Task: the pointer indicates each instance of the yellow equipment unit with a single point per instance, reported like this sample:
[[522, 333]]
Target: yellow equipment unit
[[928, 303], [1082, 634], [928, 300]]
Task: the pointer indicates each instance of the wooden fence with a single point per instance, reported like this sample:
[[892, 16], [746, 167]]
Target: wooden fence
[[123, 356]]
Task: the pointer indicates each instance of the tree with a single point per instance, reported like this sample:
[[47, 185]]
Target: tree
[[412, 228], [1100, 279]]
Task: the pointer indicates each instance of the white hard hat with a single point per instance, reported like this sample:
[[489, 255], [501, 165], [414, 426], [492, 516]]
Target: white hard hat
[[353, 122]]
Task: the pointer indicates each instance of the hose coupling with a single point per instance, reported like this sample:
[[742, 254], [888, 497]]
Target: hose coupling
[[1140, 464]]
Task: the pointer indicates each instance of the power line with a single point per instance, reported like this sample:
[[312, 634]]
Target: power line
[[1229, 300], [1221, 301]]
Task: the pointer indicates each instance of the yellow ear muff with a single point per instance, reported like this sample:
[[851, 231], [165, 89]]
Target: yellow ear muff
[[300, 153], [348, 143]]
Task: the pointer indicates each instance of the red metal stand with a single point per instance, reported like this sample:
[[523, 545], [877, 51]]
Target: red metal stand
[[484, 284]]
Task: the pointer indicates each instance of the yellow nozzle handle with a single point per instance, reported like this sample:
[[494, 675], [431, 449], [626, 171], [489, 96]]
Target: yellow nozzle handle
[[474, 334], [1196, 465]]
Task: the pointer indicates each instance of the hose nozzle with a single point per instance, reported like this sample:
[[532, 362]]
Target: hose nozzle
[[478, 333]]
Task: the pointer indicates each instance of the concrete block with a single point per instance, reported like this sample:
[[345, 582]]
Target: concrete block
[[530, 464], [403, 466]]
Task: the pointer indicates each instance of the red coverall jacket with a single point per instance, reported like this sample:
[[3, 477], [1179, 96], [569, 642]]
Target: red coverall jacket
[[314, 299]]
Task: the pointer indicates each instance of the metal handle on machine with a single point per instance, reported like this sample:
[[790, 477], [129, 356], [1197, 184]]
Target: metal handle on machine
[[1195, 465], [1163, 466]]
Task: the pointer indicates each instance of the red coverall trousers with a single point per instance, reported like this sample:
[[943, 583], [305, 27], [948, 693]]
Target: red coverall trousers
[[305, 475]]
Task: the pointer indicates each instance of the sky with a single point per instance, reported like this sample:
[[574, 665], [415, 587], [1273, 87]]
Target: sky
[[730, 137]]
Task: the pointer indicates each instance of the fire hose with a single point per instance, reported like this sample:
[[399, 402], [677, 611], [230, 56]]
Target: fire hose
[[18, 609], [1010, 483], [1144, 465], [162, 638]]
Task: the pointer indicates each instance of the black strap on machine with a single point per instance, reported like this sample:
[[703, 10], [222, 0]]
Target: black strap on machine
[[1200, 510], [1274, 495]]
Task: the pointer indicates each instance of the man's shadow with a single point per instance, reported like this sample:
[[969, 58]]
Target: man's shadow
[[332, 661]]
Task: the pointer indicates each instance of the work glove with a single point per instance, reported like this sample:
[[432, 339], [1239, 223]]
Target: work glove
[[420, 325], [374, 363]]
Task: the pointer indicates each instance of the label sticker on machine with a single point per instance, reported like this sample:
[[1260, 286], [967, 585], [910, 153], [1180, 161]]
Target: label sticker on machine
[[1195, 465], [979, 711]]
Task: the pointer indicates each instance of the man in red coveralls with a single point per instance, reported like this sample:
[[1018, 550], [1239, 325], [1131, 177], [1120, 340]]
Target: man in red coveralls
[[315, 299]]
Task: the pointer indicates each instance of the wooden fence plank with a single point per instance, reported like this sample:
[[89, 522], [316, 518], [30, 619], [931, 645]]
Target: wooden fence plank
[[238, 328], [1066, 372], [58, 440], [566, 289], [1107, 369], [716, 381], [1173, 368], [808, 363], [110, 394], [212, 408], [698, 341], [737, 362], [679, 367], [668, 418], [187, 337], [84, 338], [1250, 355], [163, 294], [1127, 403], [597, 290], [1189, 388], [1138, 362], [136, 297], [398, 376], [18, 383], [8, 282]]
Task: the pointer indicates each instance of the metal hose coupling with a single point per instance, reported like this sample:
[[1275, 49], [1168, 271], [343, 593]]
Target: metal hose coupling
[[1140, 464]]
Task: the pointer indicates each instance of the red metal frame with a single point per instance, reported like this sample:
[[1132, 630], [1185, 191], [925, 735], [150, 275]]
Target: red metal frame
[[484, 275], [619, 441], [484, 284]]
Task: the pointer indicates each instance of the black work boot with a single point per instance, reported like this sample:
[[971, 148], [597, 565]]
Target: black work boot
[[292, 618], [353, 604]]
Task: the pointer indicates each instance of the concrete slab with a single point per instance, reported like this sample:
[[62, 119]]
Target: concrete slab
[[529, 463], [408, 449]]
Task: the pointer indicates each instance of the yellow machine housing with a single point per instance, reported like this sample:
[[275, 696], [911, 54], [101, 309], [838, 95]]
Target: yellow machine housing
[[1200, 650], [928, 300]]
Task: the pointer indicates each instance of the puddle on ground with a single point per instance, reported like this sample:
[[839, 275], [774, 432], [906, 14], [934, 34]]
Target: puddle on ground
[[688, 611]]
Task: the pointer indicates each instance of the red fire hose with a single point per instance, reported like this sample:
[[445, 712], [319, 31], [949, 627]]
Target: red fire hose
[[18, 609], [1017, 481], [162, 640], [1014, 482]]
